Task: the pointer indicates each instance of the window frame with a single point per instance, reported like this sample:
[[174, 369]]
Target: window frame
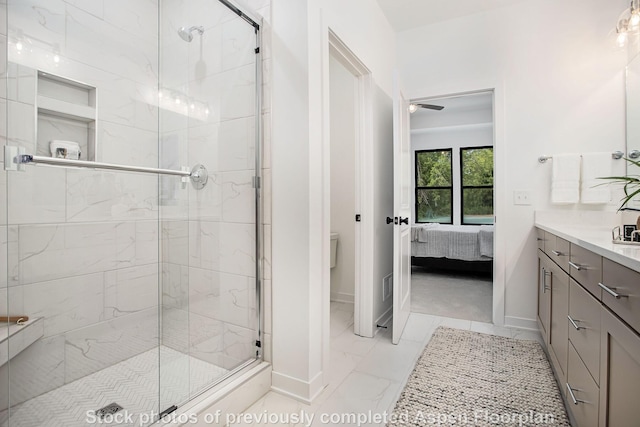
[[463, 187], [417, 188]]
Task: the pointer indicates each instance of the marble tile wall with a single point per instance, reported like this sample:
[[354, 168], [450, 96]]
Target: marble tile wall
[[80, 247]]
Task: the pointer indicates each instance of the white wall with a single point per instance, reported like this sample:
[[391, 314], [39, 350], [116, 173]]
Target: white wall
[[300, 185], [560, 81], [343, 91]]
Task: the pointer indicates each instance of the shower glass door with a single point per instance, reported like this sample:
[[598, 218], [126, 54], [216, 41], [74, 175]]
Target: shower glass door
[[208, 98], [139, 288]]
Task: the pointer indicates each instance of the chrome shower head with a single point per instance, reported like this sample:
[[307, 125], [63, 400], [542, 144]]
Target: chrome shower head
[[187, 33]]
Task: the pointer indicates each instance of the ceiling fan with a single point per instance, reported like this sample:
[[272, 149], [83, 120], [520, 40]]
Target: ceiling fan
[[414, 107]]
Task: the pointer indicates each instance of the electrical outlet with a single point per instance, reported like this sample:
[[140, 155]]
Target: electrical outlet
[[522, 197]]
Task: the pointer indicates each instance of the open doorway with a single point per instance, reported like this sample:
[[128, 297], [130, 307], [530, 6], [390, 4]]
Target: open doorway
[[452, 146], [344, 116]]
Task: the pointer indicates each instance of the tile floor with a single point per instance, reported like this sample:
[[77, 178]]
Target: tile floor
[[461, 295], [367, 374], [133, 384]]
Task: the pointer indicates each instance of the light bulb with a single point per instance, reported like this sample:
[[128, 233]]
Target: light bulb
[[56, 59], [19, 46], [635, 20], [622, 39], [413, 108], [193, 106]]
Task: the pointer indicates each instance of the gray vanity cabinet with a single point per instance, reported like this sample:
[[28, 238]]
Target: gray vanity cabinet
[[590, 319], [584, 328], [558, 249], [559, 328], [581, 391], [544, 295], [619, 373], [553, 308]]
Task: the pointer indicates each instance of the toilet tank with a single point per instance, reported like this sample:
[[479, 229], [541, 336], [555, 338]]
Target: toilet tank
[[334, 249]]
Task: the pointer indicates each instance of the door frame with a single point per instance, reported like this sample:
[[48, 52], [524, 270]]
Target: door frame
[[363, 184], [499, 191]]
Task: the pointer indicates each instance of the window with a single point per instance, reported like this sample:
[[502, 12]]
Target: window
[[434, 188], [476, 171]]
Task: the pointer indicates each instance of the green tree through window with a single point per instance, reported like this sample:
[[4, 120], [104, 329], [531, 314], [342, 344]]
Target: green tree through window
[[434, 186], [476, 170]]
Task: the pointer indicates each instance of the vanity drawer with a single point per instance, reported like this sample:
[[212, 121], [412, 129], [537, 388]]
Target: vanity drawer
[[625, 283], [558, 250], [586, 269], [584, 327], [581, 391], [540, 237]]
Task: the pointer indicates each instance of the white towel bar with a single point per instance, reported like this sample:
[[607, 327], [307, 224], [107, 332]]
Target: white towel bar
[[617, 155]]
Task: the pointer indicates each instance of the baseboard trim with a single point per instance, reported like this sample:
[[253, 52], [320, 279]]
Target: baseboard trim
[[303, 391], [342, 297], [521, 323]]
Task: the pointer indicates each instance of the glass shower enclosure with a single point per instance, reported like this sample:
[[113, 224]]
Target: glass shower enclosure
[[130, 231]]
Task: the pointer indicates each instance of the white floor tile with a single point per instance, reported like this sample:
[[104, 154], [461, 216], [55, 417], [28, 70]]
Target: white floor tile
[[391, 361], [366, 375]]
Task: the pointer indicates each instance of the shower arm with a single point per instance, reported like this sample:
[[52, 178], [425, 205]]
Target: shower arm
[[198, 174]]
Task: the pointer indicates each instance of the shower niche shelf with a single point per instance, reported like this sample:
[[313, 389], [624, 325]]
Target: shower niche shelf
[[66, 111]]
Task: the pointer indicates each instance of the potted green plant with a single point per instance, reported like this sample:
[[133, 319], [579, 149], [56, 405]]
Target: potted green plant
[[631, 185]]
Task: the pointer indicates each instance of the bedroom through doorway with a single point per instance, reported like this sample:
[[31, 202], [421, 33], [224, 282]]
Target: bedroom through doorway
[[452, 237]]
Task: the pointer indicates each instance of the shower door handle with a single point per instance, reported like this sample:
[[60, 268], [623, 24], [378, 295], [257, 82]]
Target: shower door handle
[[393, 220], [404, 220]]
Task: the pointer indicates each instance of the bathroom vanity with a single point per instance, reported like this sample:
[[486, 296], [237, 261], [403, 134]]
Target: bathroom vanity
[[589, 316]]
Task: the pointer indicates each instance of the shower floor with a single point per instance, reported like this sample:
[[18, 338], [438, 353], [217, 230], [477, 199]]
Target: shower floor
[[133, 384]]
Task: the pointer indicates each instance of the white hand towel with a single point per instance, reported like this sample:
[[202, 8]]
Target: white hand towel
[[594, 166], [565, 180]]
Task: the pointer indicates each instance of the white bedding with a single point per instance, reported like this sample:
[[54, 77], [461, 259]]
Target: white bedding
[[463, 242]]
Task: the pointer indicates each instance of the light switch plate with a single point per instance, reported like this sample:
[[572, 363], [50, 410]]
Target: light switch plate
[[522, 197]]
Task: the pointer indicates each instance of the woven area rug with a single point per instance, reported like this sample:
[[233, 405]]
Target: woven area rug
[[468, 378]]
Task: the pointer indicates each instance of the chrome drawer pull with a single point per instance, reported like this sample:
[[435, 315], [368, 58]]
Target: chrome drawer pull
[[576, 266], [574, 324], [545, 273], [557, 253], [612, 291], [573, 396]]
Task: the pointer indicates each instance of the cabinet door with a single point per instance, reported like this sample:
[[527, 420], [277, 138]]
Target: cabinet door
[[619, 373], [544, 295], [582, 392], [584, 327], [559, 327]]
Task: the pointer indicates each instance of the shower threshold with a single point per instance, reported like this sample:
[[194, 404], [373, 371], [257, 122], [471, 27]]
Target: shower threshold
[[133, 383]]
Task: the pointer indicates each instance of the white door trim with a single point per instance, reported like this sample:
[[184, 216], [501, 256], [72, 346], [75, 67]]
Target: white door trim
[[364, 236], [363, 298]]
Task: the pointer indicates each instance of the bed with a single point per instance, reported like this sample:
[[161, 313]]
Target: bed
[[468, 247]]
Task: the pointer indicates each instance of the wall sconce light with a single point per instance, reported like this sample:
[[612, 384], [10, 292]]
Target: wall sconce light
[[629, 22]]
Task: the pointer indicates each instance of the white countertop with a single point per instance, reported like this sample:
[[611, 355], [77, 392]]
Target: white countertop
[[595, 239]]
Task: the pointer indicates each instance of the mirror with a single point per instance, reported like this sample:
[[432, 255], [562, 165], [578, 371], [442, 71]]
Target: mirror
[[633, 121], [633, 114]]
